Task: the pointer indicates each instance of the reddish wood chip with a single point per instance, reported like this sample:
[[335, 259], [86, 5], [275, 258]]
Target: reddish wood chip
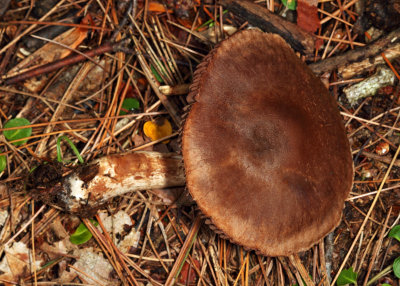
[[265, 151], [307, 16]]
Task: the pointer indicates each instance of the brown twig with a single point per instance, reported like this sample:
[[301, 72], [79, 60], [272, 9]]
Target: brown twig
[[296, 261], [70, 60], [384, 159], [370, 53], [289, 273]]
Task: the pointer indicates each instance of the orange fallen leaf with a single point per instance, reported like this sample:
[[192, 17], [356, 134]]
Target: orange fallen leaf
[[158, 8], [130, 92], [185, 22], [87, 20], [307, 15], [157, 129]]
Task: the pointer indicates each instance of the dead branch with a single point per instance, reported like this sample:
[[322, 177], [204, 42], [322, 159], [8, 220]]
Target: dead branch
[[384, 159], [368, 87], [260, 17], [359, 60], [70, 60]]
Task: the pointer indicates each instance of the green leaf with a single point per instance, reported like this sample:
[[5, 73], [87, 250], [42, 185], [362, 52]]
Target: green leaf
[[156, 74], [3, 162], [129, 104], [385, 284], [82, 234], [395, 232], [347, 276], [396, 267], [290, 4], [20, 133]]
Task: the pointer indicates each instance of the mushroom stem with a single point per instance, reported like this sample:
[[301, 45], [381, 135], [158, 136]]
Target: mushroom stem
[[92, 185]]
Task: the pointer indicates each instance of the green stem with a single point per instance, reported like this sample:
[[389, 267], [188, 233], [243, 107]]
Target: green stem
[[186, 255], [71, 144], [211, 21], [384, 272]]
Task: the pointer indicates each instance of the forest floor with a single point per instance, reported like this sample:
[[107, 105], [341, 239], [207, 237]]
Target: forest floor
[[101, 103]]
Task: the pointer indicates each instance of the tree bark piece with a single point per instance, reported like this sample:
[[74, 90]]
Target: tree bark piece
[[383, 76], [91, 186], [357, 61], [260, 17]]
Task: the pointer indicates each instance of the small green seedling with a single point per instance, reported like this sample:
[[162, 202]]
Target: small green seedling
[[210, 23], [71, 144], [396, 267], [19, 133], [3, 162], [82, 233], [347, 276], [129, 104], [156, 75], [290, 4], [395, 232]]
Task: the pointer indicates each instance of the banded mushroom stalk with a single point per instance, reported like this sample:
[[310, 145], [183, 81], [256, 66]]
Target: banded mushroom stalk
[[90, 186]]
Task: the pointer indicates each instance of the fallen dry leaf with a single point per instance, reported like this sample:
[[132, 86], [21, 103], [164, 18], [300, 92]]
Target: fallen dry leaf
[[307, 15], [156, 7], [17, 262], [118, 224], [188, 274], [91, 264]]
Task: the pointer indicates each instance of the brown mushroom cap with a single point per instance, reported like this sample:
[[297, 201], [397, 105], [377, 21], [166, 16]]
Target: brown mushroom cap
[[265, 152]]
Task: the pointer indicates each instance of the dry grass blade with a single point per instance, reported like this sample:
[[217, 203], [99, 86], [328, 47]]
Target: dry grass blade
[[113, 254], [155, 86], [296, 261], [377, 248]]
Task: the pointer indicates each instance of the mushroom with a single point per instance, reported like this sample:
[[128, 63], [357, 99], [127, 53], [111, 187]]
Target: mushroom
[[265, 152]]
